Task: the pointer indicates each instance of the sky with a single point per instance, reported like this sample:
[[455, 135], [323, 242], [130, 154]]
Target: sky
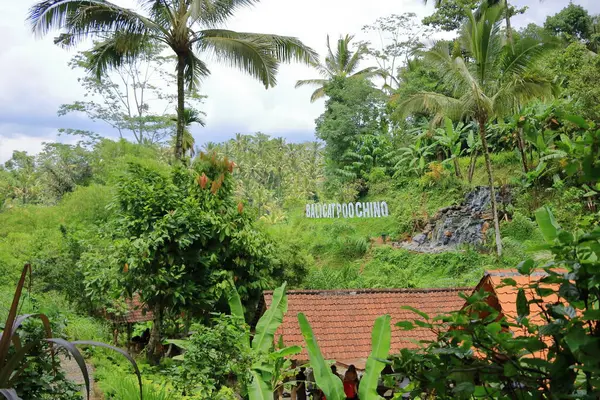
[[35, 78]]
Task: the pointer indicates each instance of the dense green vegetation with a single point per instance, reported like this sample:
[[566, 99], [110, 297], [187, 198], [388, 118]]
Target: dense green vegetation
[[177, 226]]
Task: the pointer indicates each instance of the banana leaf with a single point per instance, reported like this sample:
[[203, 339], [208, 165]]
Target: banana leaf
[[264, 337], [381, 338], [330, 384], [258, 389]]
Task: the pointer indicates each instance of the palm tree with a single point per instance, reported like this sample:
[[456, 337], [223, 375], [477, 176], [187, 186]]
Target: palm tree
[[190, 116], [343, 63], [187, 27], [494, 83]]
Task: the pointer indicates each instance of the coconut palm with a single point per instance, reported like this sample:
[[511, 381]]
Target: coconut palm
[[343, 64], [188, 27], [190, 116], [495, 82]]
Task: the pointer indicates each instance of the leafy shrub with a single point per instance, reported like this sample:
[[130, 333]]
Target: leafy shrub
[[521, 228], [215, 355], [118, 387], [352, 247]]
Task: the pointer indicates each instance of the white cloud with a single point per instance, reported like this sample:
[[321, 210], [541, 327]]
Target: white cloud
[[36, 80]]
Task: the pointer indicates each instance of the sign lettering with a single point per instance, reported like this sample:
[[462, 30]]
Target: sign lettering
[[374, 209]]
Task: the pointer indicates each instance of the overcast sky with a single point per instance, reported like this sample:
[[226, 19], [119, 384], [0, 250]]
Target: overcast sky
[[35, 79]]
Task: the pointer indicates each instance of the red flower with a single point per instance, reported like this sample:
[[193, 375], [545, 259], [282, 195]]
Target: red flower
[[202, 180]]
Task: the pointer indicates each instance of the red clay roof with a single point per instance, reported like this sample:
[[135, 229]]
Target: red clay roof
[[135, 311], [507, 295], [342, 320]]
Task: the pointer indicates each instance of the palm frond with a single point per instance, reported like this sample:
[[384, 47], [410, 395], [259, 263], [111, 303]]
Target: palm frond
[[480, 37], [119, 49], [343, 54], [195, 69], [319, 93], [435, 103], [161, 11], [369, 72], [83, 19], [526, 52], [250, 54], [311, 82], [211, 13], [287, 49]]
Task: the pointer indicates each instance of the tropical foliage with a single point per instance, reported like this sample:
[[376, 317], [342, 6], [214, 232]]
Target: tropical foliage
[[545, 350], [343, 63], [416, 124], [187, 28]]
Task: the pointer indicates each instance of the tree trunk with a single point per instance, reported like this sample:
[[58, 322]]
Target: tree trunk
[[153, 351], [521, 146], [472, 165], [488, 166], [457, 168], [180, 107], [509, 34]]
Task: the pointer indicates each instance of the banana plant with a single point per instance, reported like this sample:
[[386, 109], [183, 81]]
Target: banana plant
[[449, 139], [474, 145], [12, 362], [331, 385], [414, 158], [266, 371]]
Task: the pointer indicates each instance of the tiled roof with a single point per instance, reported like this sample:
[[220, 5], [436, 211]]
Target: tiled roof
[[135, 311], [342, 320], [507, 295]]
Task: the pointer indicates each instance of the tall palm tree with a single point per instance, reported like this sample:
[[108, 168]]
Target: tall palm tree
[[187, 27], [494, 83], [343, 64]]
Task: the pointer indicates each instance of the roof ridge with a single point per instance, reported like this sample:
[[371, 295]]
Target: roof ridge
[[372, 291]]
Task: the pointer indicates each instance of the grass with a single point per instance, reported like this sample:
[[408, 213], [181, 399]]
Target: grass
[[345, 255]]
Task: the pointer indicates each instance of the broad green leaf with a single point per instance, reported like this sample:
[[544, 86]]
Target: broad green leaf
[[567, 311], [510, 370], [181, 343], [522, 304], [381, 339], [577, 120], [494, 328], [548, 225], [235, 303], [576, 338], [421, 313], [565, 237], [509, 282], [591, 315], [405, 325], [464, 389], [287, 351], [526, 267], [330, 384], [258, 389], [264, 338]]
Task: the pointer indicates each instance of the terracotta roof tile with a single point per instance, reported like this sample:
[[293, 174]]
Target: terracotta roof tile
[[507, 295], [342, 320], [136, 312]]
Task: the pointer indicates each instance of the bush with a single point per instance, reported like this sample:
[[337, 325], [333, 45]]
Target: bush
[[215, 357], [116, 386], [521, 229]]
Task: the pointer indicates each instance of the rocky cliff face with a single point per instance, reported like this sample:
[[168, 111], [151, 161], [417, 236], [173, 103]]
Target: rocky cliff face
[[466, 223]]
